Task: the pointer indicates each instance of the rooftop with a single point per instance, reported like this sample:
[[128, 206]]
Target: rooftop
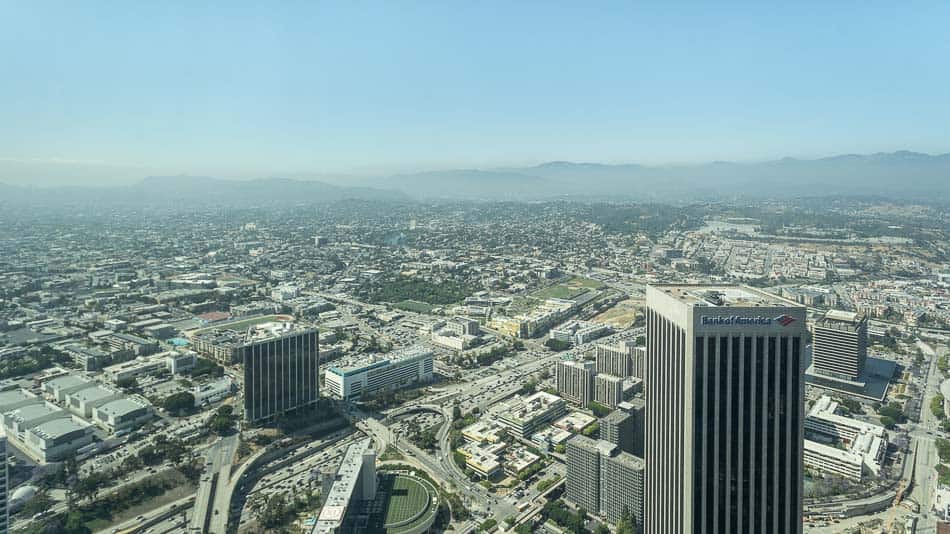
[[57, 428], [68, 381], [604, 448], [338, 498], [723, 296], [120, 407], [840, 316], [380, 360]]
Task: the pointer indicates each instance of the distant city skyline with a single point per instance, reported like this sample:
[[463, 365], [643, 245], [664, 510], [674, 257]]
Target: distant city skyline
[[113, 93]]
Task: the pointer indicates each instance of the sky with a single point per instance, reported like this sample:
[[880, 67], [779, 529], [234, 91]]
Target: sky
[[97, 92]]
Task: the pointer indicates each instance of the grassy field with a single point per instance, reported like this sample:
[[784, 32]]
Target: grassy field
[[414, 306], [573, 287], [407, 499]]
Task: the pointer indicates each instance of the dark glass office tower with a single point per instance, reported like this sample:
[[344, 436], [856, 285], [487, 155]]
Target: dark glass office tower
[[281, 371], [724, 411]]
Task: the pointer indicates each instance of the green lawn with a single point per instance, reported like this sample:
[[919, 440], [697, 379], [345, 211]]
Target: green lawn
[[572, 288], [408, 498]]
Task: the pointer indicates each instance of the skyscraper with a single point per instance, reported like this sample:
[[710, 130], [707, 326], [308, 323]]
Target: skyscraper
[[840, 345], [4, 488], [281, 369], [724, 410], [575, 381]]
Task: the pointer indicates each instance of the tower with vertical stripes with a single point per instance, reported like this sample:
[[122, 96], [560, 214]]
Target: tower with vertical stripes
[[724, 411]]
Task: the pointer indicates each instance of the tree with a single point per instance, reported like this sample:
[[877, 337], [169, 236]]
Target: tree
[[456, 413], [127, 383], [179, 403], [223, 420]]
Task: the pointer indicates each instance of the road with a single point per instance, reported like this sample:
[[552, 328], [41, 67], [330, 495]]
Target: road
[[924, 482], [211, 515]]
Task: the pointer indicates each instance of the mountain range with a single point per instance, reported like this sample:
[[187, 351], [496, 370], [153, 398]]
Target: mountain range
[[901, 174], [904, 174]]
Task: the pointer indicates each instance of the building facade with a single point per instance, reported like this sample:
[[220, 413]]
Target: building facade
[[575, 381], [4, 488], [281, 372], [394, 370], [619, 428], [608, 390], [724, 410], [840, 345], [604, 480], [621, 487]]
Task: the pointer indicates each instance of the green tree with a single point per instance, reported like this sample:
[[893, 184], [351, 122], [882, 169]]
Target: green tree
[[179, 403]]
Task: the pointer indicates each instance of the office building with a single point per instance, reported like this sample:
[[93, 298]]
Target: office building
[[4, 487], [619, 428], [865, 444], [621, 486], [523, 416], [636, 407], [608, 390], [575, 381], [724, 410], [583, 470], [397, 369], [281, 369], [604, 480], [174, 362], [623, 359], [578, 332], [840, 345]]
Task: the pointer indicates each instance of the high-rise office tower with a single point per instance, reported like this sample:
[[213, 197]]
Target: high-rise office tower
[[281, 369], [724, 411], [4, 488], [575, 381], [840, 345]]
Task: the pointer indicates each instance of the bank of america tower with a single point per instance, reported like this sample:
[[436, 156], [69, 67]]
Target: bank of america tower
[[724, 411]]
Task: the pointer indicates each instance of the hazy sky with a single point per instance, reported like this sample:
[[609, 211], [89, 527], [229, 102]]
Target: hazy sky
[[117, 90]]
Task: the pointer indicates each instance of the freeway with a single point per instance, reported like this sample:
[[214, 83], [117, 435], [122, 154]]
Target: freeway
[[209, 513]]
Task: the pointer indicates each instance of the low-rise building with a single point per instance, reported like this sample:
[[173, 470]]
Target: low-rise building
[[174, 362], [579, 332], [523, 416], [40, 429]]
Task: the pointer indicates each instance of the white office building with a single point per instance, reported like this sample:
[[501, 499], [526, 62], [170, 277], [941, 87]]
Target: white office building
[[397, 369]]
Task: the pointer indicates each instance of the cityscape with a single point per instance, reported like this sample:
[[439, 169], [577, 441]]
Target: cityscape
[[378, 366], [474, 267]]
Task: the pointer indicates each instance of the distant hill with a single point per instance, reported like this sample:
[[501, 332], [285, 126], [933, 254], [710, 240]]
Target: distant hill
[[901, 174], [197, 191]]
